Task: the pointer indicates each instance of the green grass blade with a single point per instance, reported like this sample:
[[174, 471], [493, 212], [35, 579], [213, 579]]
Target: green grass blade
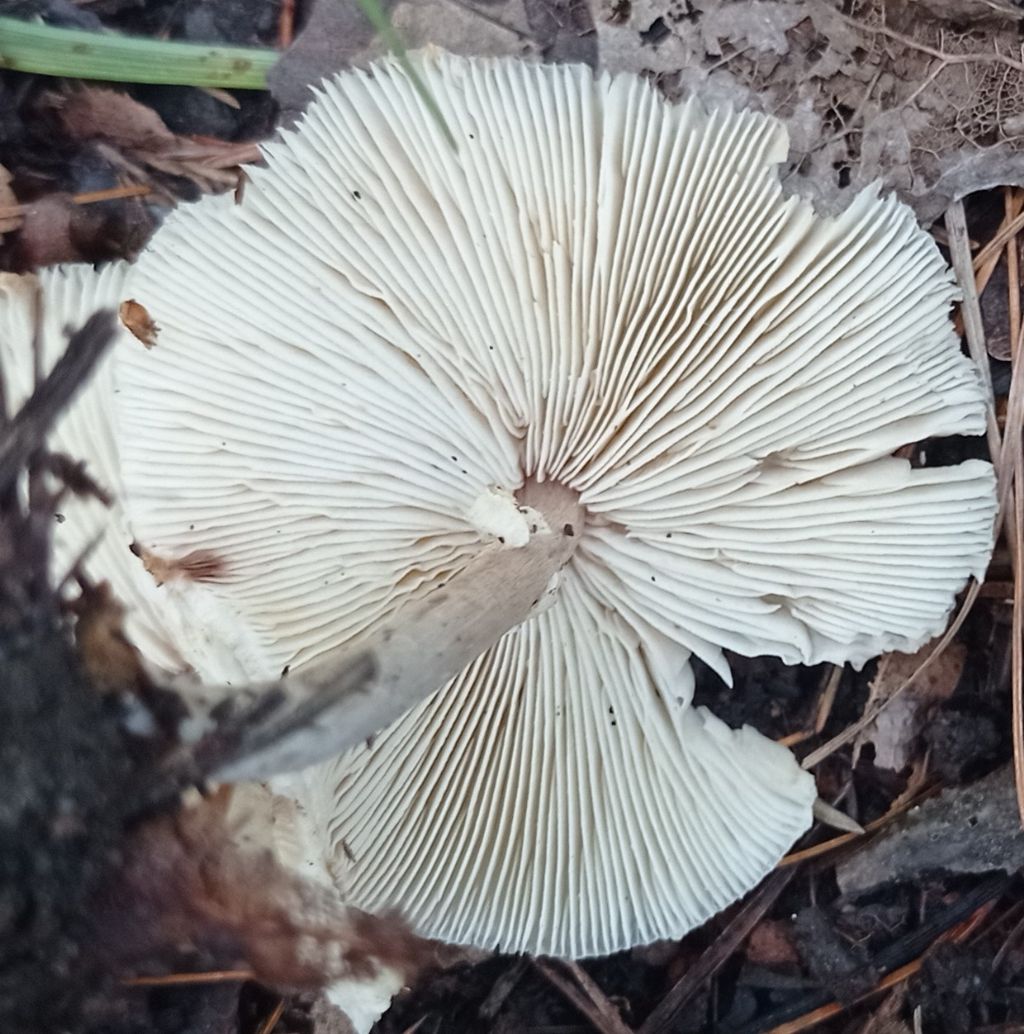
[[380, 21], [51, 50]]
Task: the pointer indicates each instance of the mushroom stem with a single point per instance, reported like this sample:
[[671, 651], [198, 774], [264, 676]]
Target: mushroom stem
[[357, 689]]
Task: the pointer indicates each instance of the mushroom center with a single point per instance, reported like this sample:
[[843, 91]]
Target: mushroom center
[[539, 509], [558, 505]]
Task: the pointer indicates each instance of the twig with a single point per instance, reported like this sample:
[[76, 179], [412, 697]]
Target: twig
[[271, 1021], [605, 1019], [220, 976], [26, 431], [1011, 207], [359, 688], [1017, 620], [923, 48], [826, 698], [1011, 474], [1007, 946], [844, 737], [664, 1017], [998, 242], [89, 198], [960, 254]]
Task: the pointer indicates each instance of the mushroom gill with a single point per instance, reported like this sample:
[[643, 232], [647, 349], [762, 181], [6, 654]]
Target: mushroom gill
[[364, 361]]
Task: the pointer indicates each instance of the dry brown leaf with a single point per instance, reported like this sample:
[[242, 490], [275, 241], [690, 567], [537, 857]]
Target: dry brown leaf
[[138, 321], [894, 731], [771, 944], [135, 140], [200, 565], [96, 113], [55, 229]]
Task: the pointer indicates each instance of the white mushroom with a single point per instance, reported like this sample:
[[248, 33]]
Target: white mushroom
[[36, 313], [363, 367]]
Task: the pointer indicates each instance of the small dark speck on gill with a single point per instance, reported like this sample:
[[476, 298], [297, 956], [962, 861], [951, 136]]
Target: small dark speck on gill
[[568, 530]]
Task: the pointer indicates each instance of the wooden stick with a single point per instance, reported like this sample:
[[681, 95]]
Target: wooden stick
[[960, 254], [665, 1017], [359, 688], [26, 432]]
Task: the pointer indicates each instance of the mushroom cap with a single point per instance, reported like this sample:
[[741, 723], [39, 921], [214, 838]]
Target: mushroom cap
[[598, 288], [37, 313], [164, 620]]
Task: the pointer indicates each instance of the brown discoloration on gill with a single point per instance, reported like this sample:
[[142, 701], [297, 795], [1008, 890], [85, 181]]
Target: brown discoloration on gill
[[200, 565]]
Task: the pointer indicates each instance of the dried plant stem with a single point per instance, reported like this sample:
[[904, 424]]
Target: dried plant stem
[[220, 976], [665, 1017], [88, 198], [25, 433], [1017, 628], [960, 254], [1011, 465], [584, 994], [1006, 232], [1011, 208], [992, 58]]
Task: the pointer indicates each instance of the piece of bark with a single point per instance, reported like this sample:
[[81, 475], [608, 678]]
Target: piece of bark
[[968, 829], [26, 431]]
